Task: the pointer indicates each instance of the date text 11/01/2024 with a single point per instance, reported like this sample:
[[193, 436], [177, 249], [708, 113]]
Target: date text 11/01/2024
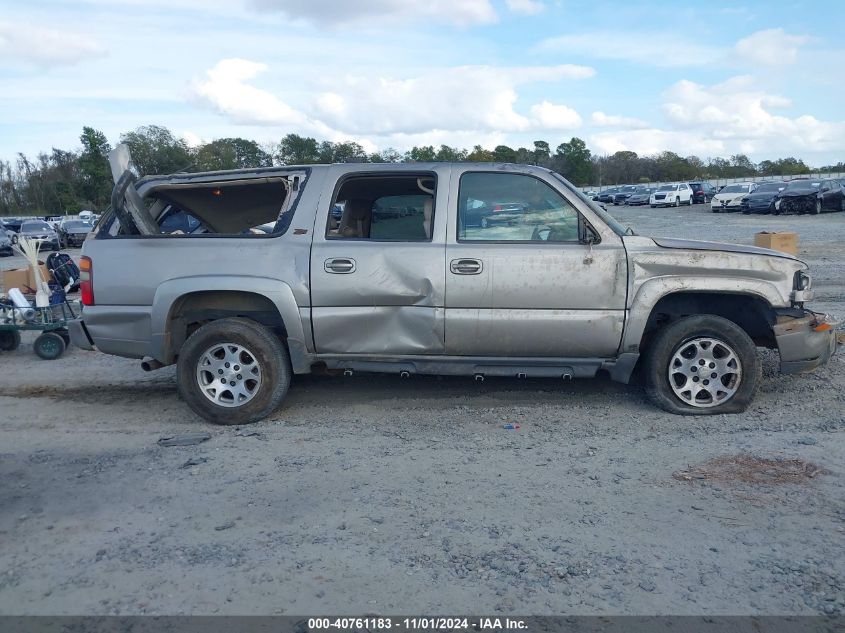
[[417, 624]]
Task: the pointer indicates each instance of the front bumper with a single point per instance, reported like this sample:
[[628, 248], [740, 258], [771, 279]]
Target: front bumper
[[802, 346]]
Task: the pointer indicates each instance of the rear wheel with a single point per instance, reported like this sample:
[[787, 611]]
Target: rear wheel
[[233, 371], [10, 340], [49, 346], [702, 365], [689, 202]]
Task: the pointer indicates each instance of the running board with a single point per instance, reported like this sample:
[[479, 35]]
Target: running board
[[477, 367]]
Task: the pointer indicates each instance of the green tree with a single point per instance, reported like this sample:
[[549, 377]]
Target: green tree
[[298, 150], [574, 161], [480, 155], [231, 153], [95, 179], [504, 154], [425, 154], [156, 151]]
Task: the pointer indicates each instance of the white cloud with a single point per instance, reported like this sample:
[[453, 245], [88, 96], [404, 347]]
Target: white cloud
[[772, 47], [360, 106], [460, 12], [600, 119], [44, 47], [225, 88], [726, 118], [526, 7], [653, 141], [549, 116]]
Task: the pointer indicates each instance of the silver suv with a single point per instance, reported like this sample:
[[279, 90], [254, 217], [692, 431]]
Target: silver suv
[[242, 278]]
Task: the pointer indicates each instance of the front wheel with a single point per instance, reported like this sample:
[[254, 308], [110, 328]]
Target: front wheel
[[677, 202], [702, 365], [233, 371], [817, 208]]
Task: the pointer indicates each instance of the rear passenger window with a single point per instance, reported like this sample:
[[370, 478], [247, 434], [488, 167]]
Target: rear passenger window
[[503, 207], [395, 208]]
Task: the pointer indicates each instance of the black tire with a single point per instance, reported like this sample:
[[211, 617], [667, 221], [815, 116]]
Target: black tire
[[49, 346], [842, 204], [10, 340], [817, 208], [14, 239], [677, 202], [689, 204], [264, 348], [653, 206], [672, 339]]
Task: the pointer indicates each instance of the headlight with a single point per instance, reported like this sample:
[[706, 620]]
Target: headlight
[[803, 281]]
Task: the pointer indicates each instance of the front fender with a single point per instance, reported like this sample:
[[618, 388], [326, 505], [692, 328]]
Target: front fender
[[653, 290], [278, 292]]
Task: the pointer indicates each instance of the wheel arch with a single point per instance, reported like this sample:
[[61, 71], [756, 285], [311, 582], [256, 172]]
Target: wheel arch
[[180, 305]]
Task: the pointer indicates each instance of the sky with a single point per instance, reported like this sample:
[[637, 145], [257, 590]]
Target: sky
[[706, 78]]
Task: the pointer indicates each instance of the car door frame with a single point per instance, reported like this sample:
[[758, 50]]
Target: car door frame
[[471, 309], [402, 312]]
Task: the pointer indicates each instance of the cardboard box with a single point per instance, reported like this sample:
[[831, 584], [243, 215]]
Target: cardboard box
[[23, 278], [785, 242]]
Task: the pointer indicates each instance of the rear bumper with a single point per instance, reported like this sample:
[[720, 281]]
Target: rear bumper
[[802, 347], [117, 330]]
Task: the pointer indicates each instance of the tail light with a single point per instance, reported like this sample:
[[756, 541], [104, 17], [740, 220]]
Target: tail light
[[86, 281], [498, 207]]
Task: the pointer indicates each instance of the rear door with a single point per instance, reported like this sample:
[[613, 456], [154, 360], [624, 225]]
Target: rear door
[[528, 285], [378, 273]]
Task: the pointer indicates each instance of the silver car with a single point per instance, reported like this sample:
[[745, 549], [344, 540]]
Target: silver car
[[561, 290]]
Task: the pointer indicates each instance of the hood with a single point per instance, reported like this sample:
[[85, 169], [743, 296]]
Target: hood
[[797, 193], [764, 195], [730, 196], [696, 245]]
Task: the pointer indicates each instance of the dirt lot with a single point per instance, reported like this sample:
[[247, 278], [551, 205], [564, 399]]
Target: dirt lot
[[381, 495]]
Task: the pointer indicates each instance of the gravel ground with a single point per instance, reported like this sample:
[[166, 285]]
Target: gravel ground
[[381, 495]]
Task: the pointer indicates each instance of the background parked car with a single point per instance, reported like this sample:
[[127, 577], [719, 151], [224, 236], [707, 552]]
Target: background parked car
[[13, 227], [671, 195], [730, 197], [485, 214], [810, 196], [39, 229], [702, 192], [625, 192], [5, 244], [73, 232], [607, 195], [762, 199], [641, 196]]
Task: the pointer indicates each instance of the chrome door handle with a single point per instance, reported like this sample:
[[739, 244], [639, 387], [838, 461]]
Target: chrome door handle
[[466, 266], [339, 265]]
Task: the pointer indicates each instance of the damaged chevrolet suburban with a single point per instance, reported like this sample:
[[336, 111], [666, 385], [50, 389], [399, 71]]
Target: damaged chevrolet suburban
[[243, 278]]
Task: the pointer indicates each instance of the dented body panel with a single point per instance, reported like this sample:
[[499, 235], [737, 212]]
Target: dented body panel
[[438, 305]]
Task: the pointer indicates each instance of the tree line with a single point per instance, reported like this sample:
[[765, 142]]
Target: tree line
[[67, 181]]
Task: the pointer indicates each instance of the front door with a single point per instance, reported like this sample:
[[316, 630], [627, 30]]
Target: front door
[[521, 279], [377, 264]]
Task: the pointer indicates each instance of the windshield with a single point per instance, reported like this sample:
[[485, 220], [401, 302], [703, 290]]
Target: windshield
[[771, 186], [34, 226], [595, 208], [667, 188], [735, 189], [803, 184], [77, 224]]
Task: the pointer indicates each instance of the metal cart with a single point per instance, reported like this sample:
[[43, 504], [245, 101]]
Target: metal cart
[[51, 321]]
